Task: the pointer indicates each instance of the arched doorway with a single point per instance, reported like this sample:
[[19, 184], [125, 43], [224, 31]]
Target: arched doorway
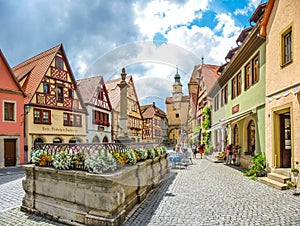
[[105, 140], [251, 137], [96, 139], [74, 140], [38, 141], [57, 140], [235, 136]]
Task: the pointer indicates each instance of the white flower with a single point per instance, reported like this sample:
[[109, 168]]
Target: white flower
[[62, 160], [100, 162], [131, 157]]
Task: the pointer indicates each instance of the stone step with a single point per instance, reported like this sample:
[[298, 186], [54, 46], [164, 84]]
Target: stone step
[[282, 171], [272, 183], [279, 177]]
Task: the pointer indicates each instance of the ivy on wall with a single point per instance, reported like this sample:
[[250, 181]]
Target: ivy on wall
[[206, 124]]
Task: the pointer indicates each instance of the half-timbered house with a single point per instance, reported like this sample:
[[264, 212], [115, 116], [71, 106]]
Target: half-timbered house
[[55, 112], [95, 97], [135, 118], [155, 127]]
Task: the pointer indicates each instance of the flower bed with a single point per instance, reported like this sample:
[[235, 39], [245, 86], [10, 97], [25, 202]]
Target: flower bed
[[102, 196]]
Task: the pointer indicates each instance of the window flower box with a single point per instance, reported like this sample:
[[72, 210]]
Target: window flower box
[[99, 121]]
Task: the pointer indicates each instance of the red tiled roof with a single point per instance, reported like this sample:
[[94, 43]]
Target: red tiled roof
[[33, 70], [148, 111], [195, 74], [88, 86], [210, 75], [114, 91], [11, 73]]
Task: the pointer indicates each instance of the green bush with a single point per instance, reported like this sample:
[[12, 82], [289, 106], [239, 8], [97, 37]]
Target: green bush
[[257, 166]]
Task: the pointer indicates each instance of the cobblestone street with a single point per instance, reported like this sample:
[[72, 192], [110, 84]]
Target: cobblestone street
[[205, 193]]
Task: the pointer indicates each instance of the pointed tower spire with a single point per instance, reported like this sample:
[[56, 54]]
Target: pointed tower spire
[[177, 77]]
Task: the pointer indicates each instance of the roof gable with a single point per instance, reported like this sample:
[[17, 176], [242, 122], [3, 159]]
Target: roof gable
[[91, 89], [114, 91], [150, 110], [210, 75], [31, 72], [7, 78]]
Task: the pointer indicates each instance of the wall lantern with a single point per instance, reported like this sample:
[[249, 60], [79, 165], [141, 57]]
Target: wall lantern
[[27, 109]]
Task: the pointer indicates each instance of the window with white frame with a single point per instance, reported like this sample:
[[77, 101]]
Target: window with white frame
[[9, 108]]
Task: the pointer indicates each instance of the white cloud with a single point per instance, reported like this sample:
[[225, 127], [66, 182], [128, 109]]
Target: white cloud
[[252, 4], [160, 16], [226, 25]]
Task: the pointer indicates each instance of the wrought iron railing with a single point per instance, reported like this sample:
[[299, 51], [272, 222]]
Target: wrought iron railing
[[90, 147]]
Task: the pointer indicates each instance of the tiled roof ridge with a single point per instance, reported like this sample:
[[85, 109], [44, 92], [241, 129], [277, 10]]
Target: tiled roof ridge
[[92, 77], [37, 57], [128, 77]]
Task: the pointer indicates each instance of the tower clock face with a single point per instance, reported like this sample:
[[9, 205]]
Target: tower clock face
[[176, 97]]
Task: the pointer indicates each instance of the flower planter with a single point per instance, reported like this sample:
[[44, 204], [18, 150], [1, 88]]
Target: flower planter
[[81, 198]]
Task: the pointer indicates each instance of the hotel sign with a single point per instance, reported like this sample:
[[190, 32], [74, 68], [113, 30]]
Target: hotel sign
[[235, 109]]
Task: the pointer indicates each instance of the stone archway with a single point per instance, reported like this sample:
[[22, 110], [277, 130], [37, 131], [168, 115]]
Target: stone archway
[[105, 139], [251, 130], [173, 136], [38, 140], [96, 139], [75, 140], [57, 140]]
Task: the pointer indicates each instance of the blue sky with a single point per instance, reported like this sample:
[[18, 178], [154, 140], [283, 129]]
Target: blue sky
[[148, 38]]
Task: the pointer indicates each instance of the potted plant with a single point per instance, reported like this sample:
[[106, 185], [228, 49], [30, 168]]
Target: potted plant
[[295, 172], [291, 185]]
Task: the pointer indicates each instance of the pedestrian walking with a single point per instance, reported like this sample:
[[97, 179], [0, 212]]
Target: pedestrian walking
[[229, 154], [194, 150], [178, 148], [201, 150], [185, 147]]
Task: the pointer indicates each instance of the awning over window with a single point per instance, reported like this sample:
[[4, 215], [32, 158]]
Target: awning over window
[[221, 124], [238, 117]]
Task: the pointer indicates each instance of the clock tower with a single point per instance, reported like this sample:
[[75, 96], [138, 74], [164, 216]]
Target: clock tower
[[177, 87]]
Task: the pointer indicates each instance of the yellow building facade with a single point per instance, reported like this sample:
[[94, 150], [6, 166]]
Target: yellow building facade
[[177, 108], [281, 28], [54, 110]]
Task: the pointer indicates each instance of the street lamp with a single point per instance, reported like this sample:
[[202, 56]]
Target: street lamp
[[27, 109]]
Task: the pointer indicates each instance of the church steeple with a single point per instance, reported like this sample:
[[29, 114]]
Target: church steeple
[[177, 86], [177, 77]]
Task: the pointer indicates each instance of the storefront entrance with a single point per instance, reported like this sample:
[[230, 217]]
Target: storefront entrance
[[285, 140]]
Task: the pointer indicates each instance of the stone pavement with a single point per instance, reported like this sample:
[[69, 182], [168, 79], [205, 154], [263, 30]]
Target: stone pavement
[[205, 193]]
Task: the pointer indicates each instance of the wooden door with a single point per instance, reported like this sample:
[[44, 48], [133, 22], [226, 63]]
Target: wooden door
[[9, 152], [285, 141]]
